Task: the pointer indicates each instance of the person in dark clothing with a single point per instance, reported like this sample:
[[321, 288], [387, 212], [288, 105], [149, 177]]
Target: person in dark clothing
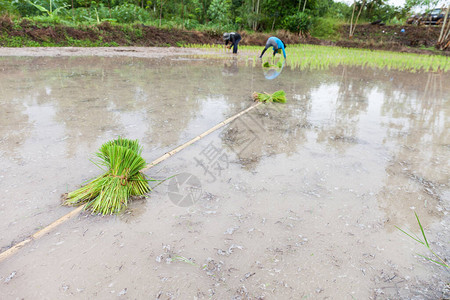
[[276, 44], [233, 38]]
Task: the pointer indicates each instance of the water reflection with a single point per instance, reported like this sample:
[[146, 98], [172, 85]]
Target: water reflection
[[398, 121], [350, 103], [420, 164], [14, 126], [273, 71], [261, 133], [230, 67]]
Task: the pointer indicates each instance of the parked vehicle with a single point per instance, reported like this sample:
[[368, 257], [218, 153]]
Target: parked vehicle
[[434, 17]]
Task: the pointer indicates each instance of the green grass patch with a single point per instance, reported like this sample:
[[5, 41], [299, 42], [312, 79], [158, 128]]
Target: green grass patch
[[17, 41]]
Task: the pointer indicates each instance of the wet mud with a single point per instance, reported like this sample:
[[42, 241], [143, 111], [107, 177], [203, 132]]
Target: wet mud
[[294, 201]]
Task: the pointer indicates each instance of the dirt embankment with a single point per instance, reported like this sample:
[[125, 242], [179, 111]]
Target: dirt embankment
[[410, 39], [404, 38]]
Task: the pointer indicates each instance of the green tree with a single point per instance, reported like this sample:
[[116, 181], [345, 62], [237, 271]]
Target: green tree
[[219, 11], [298, 23], [7, 6]]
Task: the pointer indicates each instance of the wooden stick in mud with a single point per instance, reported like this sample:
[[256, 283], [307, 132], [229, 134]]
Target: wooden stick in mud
[[74, 212], [40, 233]]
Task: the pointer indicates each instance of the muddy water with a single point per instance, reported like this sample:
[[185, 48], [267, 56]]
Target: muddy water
[[290, 201]]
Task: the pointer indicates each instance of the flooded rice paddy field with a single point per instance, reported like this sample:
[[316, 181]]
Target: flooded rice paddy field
[[294, 201]]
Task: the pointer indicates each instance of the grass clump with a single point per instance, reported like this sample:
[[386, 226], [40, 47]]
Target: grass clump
[[278, 96], [438, 260], [109, 193]]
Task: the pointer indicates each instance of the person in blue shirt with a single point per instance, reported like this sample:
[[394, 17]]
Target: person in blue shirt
[[276, 44]]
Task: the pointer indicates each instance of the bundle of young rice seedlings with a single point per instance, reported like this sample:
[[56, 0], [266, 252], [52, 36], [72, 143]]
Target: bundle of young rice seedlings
[[268, 65], [278, 96], [109, 193]]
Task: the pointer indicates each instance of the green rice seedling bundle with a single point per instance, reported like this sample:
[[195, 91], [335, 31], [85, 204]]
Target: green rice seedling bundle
[[109, 193], [278, 96], [266, 64]]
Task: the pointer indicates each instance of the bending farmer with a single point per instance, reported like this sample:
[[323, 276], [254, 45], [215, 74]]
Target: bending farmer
[[233, 38], [276, 43]]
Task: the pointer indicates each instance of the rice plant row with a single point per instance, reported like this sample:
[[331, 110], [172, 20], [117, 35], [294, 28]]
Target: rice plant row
[[315, 57]]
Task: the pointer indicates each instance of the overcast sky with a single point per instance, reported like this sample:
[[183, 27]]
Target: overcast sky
[[396, 2], [400, 3], [391, 2]]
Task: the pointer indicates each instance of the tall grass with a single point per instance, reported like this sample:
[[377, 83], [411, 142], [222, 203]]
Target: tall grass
[[438, 260]]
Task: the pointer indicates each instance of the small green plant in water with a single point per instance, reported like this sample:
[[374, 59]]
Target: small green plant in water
[[266, 64], [278, 96], [424, 242], [109, 193]]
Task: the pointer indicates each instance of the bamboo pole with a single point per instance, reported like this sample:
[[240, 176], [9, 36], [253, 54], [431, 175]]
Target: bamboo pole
[[352, 31], [5, 254], [351, 20], [40, 233], [443, 26], [442, 36], [179, 148]]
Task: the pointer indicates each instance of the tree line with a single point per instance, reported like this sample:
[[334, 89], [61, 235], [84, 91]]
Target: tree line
[[257, 15]]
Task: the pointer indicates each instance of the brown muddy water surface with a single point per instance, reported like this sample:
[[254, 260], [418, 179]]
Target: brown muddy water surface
[[294, 201]]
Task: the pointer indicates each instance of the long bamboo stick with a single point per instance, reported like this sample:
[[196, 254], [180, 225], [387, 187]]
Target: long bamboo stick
[[74, 212], [179, 148], [40, 233]]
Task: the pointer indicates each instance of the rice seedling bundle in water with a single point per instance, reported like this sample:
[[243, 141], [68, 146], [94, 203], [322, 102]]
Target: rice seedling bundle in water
[[109, 193], [278, 96], [266, 64]]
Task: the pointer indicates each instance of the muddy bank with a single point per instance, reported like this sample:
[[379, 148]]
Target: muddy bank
[[402, 38], [116, 35]]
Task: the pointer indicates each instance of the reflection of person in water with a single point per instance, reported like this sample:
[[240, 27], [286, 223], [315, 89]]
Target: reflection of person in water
[[230, 68], [276, 44], [272, 72], [232, 38]]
